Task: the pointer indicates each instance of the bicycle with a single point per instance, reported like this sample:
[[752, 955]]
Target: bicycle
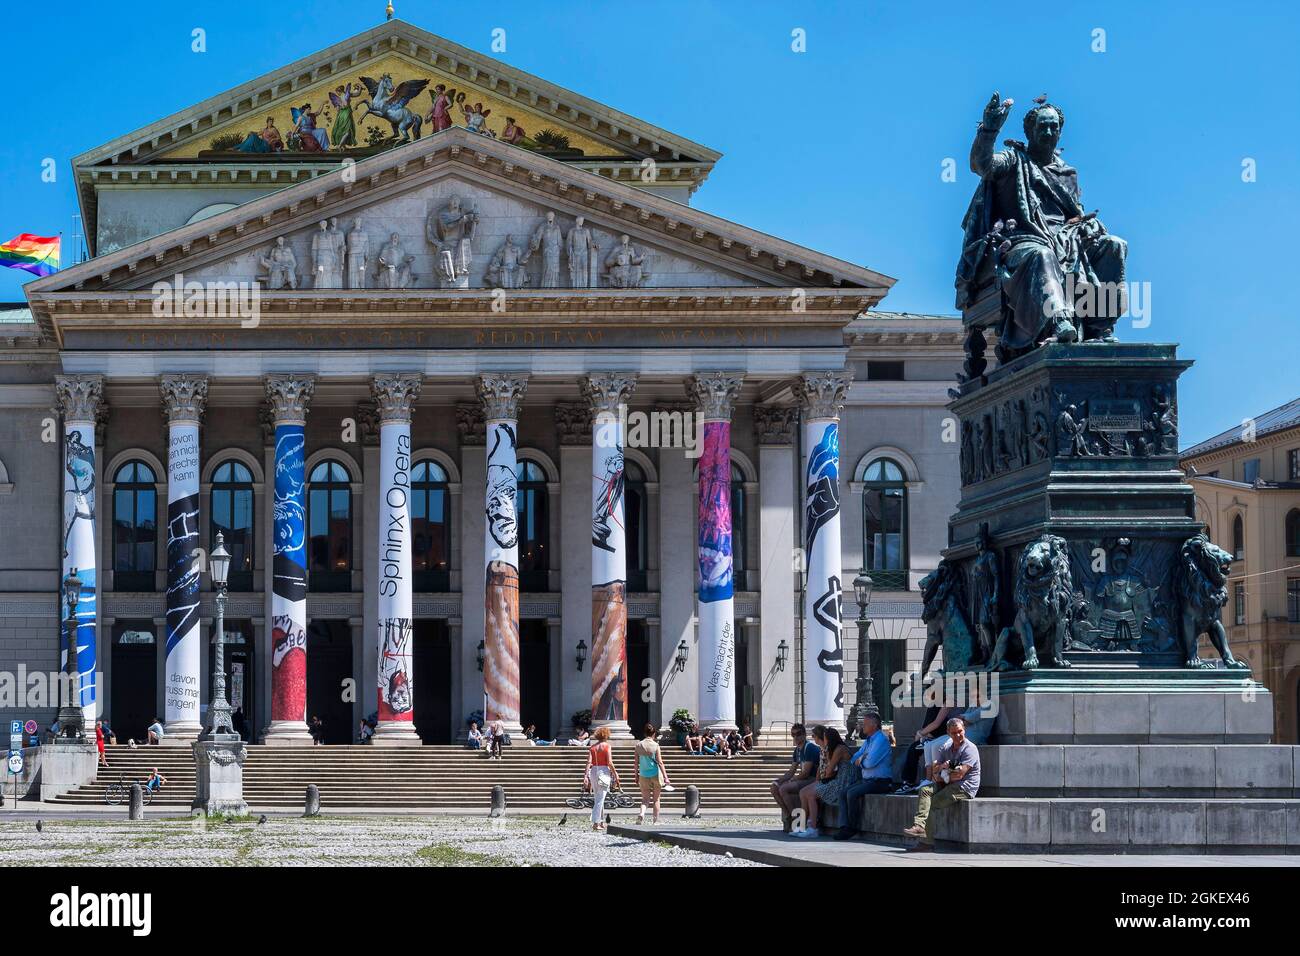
[[617, 799], [118, 792]]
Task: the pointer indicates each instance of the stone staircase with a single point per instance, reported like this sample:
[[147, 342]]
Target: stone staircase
[[436, 777]]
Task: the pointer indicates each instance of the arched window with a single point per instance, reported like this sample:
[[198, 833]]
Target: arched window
[[1238, 539], [1293, 533], [430, 527], [737, 525], [329, 527], [135, 527], [534, 526], [231, 513], [884, 524], [635, 522]]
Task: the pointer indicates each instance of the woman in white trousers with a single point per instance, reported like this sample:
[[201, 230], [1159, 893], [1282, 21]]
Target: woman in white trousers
[[600, 774]]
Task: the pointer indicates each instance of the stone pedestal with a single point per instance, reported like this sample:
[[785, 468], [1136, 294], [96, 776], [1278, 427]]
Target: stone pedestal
[[395, 734], [219, 783], [65, 765]]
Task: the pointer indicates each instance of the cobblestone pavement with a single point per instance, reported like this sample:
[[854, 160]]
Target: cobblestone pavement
[[334, 841]]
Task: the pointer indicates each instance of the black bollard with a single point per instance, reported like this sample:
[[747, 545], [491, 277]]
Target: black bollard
[[137, 803], [692, 801], [312, 807], [498, 801]]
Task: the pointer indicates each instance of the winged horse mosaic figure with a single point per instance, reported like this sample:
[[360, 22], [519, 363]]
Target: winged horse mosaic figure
[[389, 102]]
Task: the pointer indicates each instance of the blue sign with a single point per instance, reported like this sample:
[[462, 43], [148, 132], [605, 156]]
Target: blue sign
[[15, 727]]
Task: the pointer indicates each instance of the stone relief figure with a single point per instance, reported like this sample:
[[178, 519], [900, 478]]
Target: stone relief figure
[[451, 232], [942, 594], [1163, 425], [1044, 607], [1052, 261], [967, 454], [1040, 437], [394, 266], [1201, 589], [626, 266], [584, 256], [987, 578], [507, 268], [358, 252], [1071, 437], [1122, 600], [548, 239], [326, 263], [281, 266]]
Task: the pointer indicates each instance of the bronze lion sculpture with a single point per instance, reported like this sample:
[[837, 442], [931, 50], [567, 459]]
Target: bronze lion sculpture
[[1044, 597], [1201, 586]]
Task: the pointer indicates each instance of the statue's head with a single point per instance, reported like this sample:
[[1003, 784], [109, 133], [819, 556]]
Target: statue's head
[[1043, 125], [1120, 554]]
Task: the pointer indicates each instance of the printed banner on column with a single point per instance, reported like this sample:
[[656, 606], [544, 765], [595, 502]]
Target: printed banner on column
[[289, 566], [181, 687], [79, 553], [501, 627], [396, 700], [717, 588], [608, 574], [824, 652]]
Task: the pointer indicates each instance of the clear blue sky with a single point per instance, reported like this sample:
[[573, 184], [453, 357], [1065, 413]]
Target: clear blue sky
[[839, 148]]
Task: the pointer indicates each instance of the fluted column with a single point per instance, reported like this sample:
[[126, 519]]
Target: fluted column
[[289, 396], [80, 399], [607, 395], [501, 395], [821, 397], [715, 394], [183, 399], [395, 395]]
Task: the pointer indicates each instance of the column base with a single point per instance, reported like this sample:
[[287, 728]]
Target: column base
[[720, 726], [396, 733], [618, 729], [219, 778], [287, 733], [180, 735]]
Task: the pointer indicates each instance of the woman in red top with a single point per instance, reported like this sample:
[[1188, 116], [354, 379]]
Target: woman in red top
[[99, 742], [600, 772]]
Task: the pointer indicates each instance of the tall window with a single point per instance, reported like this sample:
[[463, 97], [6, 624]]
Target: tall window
[[1293, 464], [231, 513], [884, 524], [1238, 539], [1250, 471], [534, 526], [1293, 600], [738, 525], [329, 524], [135, 527], [430, 527], [1239, 604], [1293, 533], [635, 522]]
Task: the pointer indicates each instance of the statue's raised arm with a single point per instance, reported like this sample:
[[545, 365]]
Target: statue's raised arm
[[983, 160]]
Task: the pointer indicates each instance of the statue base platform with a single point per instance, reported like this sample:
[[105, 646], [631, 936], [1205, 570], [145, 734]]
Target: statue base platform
[[219, 783]]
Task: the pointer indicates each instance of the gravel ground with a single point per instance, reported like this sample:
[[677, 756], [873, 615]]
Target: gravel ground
[[336, 841]]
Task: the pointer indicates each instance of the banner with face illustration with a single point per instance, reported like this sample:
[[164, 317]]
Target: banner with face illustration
[[717, 589], [181, 687], [608, 573], [289, 566], [79, 554], [501, 626], [824, 655], [396, 700]]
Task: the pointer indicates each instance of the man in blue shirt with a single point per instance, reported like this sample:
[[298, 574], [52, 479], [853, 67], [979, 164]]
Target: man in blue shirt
[[875, 758]]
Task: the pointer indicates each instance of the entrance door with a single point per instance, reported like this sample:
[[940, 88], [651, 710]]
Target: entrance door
[[740, 676], [239, 675], [135, 680], [638, 669], [329, 664], [431, 677], [535, 676]]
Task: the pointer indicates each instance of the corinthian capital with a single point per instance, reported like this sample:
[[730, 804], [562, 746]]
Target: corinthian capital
[[606, 391], [714, 393], [395, 394], [183, 397], [80, 397], [775, 424], [501, 394], [288, 396], [821, 394]]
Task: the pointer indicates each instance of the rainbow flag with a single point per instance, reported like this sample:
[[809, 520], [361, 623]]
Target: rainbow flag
[[39, 255]]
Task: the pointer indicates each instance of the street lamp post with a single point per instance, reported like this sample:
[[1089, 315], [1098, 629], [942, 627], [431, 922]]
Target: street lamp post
[[866, 698], [72, 722], [219, 725]]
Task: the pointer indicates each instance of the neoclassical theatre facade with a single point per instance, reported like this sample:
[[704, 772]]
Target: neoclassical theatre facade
[[489, 416]]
